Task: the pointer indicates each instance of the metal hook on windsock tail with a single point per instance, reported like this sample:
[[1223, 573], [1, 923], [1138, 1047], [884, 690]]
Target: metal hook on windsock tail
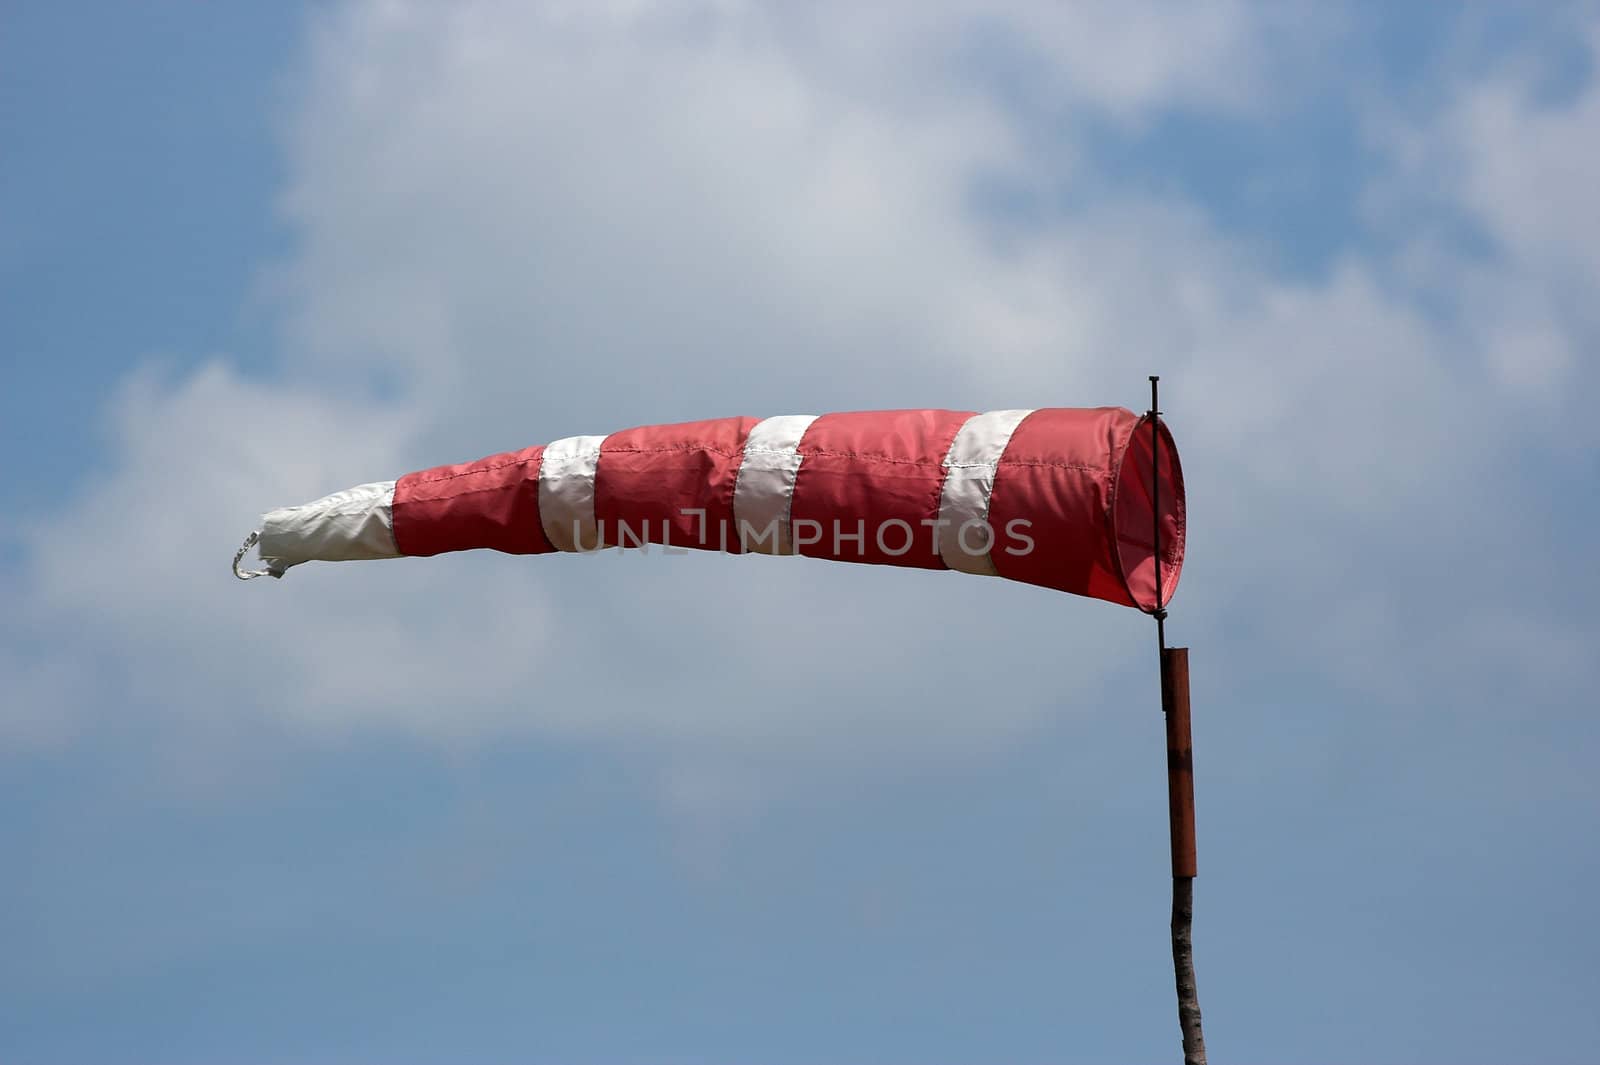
[[251, 574]]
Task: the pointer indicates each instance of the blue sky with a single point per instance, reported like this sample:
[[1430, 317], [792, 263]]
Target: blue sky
[[717, 809]]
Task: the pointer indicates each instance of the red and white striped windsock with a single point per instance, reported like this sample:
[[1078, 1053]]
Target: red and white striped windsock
[[1059, 497]]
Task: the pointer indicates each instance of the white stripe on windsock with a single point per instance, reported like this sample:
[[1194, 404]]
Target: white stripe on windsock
[[763, 491], [965, 539], [566, 492], [356, 523]]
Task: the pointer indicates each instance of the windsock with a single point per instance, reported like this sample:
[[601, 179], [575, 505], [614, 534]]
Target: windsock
[[1075, 499]]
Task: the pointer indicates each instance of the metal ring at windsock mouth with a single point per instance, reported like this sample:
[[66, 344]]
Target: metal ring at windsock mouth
[[1132, 530]]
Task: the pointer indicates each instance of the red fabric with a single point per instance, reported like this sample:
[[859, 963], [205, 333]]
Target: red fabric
[[492, 503], [1072, 484], [672, 479], [859, 471], [1056, 475]]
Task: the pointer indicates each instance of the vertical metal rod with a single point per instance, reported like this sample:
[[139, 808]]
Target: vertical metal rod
[[1155, 505], [1174, 663]]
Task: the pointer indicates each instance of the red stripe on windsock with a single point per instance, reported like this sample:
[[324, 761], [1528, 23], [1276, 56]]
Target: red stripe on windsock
[[1055, 477], [672, 481], [878, 474], [492, 503]]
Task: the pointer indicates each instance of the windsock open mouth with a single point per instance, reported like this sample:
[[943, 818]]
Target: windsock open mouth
[[1145, 482]]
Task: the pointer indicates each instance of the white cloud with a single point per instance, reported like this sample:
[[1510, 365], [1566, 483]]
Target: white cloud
[[1530, 167], [524, 222], [1131, 58], [1518, 164]]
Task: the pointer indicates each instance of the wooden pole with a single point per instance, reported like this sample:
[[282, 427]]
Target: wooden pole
[[1180, 813]]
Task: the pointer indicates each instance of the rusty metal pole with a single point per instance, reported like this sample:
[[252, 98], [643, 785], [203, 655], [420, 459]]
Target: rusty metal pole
[[1180, 815], [1180, 778]]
